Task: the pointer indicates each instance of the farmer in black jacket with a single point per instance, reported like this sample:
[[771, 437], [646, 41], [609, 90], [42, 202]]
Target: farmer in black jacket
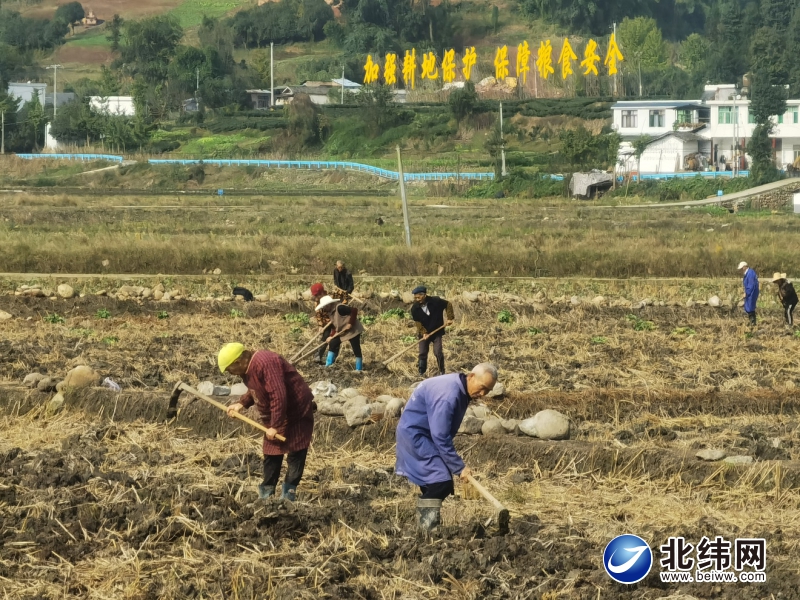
[[786, 295], [428, 313], [342, 278]]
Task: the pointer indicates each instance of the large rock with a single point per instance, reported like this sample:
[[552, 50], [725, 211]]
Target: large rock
[[350, 393], [715, 301], [238, 389], [711, 454], [498, 390], [394, 408], [356, 401], [470, 296], [357, 414], [65, 291], [210, 389], [78, 378], [740, 459], [478, 411], [46, 384], [510, 425], [134, 291], [471, 425], [158, 294], [493, 426], [32, 379], [330, 409], [4, 316], [55, 404], [546, 425], [147, 293]]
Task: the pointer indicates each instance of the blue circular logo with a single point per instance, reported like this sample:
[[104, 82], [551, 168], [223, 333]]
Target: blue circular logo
[[627, 559]]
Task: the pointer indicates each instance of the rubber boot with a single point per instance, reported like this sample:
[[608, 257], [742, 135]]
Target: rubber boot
[[331, 358], [429, 513], [265, 491], [321, 356], [289, 492], [359, 364], [422, 364], [441, 365]]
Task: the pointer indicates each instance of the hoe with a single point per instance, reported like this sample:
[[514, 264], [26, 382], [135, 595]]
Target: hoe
[[172, 410]]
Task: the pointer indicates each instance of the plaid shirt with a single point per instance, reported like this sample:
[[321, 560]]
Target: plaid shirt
[[282, 399], [337, 294]]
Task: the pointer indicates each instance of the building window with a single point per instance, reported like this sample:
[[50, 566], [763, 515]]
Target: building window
[[685, 117], [725, 115], [629, 119], [751, 118], [796, 151], [656, 118], [795, 112], [780, 119]]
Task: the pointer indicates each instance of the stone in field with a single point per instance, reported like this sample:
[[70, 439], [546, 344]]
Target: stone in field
[[493, 427], [394, 407], [330, 409], [46, 384], [147, 293], [4, 316], [739, 459], [711, 454], [78, 378], [470, 296], [357, 414], [510, 425], [546, 425], [238, 389], [209, 389], [471, 425], [158, 294], [55, 404], [65, 291], [498, 390], [478, 411], [598, 300], [32, 379], [217, 271], [408, 298], [715, 301], [350, 393]]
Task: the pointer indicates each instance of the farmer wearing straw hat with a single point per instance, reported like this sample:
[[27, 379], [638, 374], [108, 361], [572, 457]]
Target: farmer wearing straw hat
[[429, 314], [786, 295], [344, 321], [284, 404], [750, 283], [426, 455], [323, 321]]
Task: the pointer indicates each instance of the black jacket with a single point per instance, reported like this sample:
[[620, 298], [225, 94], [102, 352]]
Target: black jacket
[[343, 280], [787, 294], [427, 323]]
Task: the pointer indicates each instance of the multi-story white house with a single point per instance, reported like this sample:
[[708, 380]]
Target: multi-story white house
[[699, 134]]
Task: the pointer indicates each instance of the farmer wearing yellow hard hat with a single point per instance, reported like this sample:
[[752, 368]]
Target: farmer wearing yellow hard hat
[[284, 404]]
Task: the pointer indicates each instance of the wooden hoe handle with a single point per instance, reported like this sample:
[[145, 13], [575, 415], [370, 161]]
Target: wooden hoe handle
[[221, 406], [485, 493], [404, 350]]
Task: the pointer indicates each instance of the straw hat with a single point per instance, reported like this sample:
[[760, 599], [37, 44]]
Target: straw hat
[[778, 277], [325, 301]]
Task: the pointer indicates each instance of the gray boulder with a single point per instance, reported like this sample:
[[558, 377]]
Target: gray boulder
[[394, 407], [79, 378], [46, 384], [55, 404], [493, 427], [32, 379], [510, 425], [546, 425], [471, 425], [478, 411], [65, 291], [210, 389], [238, 389], [498, 390], [711, 454]]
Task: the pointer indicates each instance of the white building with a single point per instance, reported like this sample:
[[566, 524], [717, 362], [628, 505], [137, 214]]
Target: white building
[[24, 92], [698, 134], [113, 105]]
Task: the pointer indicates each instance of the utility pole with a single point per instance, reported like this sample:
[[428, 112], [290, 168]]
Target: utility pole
[[55, 89], [3, 138], [502, 145], [271, 75], [403, 196], [197, 86], [615, 76], [735, 157], [342, 84]]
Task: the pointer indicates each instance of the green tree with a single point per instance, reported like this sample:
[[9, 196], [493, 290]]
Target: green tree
[[767, 52], [37, 119], [463, 102], [693, 53], [640, 144], [766, 101], [495, 18], [115, 32], [494, 145], [149, 46], [109, 84], [70, 13]]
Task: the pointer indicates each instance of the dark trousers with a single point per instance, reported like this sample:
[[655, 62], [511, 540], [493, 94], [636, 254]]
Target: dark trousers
[[787, 314], [295, 464], [355, 344], [437, 491], [752, 317], [424, 348]]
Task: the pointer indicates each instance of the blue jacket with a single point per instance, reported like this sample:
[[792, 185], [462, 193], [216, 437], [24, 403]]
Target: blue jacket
[[430, 421], [750, 283]]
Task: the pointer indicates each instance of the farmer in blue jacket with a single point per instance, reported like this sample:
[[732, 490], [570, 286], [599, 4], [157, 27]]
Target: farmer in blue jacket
[[750, 283], [425, 451]]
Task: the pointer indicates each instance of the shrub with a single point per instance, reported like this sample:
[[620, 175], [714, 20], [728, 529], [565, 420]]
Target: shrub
[[505, 316], [54, 318], [103, 313], [301, 318]]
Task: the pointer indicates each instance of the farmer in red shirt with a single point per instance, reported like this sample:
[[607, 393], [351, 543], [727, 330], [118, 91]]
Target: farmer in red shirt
[[284, 404]]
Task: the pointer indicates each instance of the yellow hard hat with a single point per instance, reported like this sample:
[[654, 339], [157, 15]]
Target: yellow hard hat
[[228, 355]]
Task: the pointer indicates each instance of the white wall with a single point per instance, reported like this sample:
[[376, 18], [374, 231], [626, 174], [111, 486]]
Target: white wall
[[113, 105], [643, 121]]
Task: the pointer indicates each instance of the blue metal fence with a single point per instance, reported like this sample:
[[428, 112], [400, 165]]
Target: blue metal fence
[[82, 157], [706, 174], [321, 165]]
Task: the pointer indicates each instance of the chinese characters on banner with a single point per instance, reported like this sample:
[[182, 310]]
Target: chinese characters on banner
[[429, 68]]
